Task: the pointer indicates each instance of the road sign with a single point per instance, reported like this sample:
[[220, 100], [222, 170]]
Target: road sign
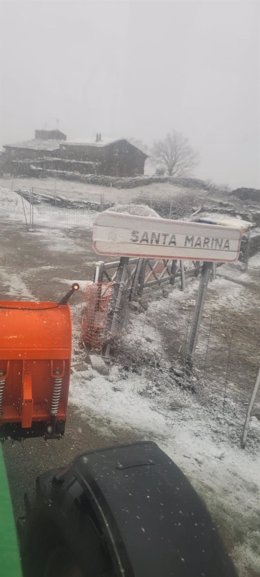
[[150, 237]]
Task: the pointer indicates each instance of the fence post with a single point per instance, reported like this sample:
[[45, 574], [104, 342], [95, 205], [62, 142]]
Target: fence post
[[31, 209], [214, 271], [249, 410], [24, 212], [195, 325], [247, 250], [141, 277], [99, 271], [183, 280], [98, 280], [136, 279], [173, 270], [118, 293]]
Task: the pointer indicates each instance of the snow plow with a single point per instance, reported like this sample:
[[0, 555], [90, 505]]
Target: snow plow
[[35, 356], [125, 511]]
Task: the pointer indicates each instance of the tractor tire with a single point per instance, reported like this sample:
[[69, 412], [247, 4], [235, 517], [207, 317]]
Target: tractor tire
[[60, 537], [126, 511]]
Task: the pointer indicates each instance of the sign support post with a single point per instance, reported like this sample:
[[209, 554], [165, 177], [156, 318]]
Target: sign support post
[[136, 279], [195, 325], [118, 294], [249, 411], [183, 280]]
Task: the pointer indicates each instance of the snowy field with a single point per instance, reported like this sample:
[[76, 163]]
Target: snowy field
[[198, 421], [96, 193]]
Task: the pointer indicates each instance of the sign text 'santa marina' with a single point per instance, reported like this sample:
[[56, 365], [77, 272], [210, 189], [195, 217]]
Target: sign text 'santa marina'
[[167, 239], [149, 237]]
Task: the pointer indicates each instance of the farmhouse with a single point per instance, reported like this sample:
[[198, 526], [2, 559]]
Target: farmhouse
[[20, 157], [50, 151]]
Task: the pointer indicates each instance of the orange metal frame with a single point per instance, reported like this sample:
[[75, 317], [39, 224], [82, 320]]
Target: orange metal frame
[[35, 348]]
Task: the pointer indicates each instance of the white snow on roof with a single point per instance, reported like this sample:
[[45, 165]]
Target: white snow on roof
[[100, 144], [37, 144], [91, 142], [51, 144]]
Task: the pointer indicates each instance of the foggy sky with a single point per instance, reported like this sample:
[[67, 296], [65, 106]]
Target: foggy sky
[[137, 69]]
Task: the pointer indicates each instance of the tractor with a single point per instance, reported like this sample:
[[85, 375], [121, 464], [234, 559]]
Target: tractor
[[125, 511]]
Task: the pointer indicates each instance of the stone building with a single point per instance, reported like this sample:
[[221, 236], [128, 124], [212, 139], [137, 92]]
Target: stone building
[[50, 151]]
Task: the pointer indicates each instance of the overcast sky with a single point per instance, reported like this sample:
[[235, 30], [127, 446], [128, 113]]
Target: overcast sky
[[137, 69]]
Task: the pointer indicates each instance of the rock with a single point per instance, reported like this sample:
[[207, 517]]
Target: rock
[[178, 372], [98, 364], [135, 306], [80, 366]]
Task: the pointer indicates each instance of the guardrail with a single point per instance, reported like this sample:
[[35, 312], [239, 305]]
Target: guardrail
[[127, 280], [141, 274]]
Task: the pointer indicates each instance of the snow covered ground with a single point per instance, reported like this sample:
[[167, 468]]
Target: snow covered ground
[[198, 421], [96, 193], [201, 432]]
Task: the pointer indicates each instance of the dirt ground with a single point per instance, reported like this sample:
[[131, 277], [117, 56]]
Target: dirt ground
[[22, 457]]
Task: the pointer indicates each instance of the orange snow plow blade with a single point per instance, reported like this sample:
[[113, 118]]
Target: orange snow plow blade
[[35, 357]]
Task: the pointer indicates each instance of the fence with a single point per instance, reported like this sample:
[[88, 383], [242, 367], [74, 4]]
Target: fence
[[143, 274], [226, 358], [36, 195], [119, 283]]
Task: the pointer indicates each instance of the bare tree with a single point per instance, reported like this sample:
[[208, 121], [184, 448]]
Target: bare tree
[[175, 154]]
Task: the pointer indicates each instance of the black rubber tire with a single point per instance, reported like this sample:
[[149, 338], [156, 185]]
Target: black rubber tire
[[61, 562], [60, 536], [125, 510]]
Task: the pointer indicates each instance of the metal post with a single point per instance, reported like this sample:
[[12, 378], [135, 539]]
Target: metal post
[[118, 292], [183, 281], [98, 280], [214, 271], [32, 210], [136, 279], [195, 325], [249, 410], [24, 211], [99, 271], [173, 270], [247, 250], [141, 278]]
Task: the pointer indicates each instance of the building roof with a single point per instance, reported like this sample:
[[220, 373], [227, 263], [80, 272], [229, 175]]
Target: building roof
[[52, 145], [37, 144], [98, 144], [54, 134], [91, 142]]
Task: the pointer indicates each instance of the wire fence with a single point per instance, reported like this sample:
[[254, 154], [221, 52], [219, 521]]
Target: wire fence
[[226, 360]]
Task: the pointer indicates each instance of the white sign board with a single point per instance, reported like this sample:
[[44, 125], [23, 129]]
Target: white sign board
[[121, 234]]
